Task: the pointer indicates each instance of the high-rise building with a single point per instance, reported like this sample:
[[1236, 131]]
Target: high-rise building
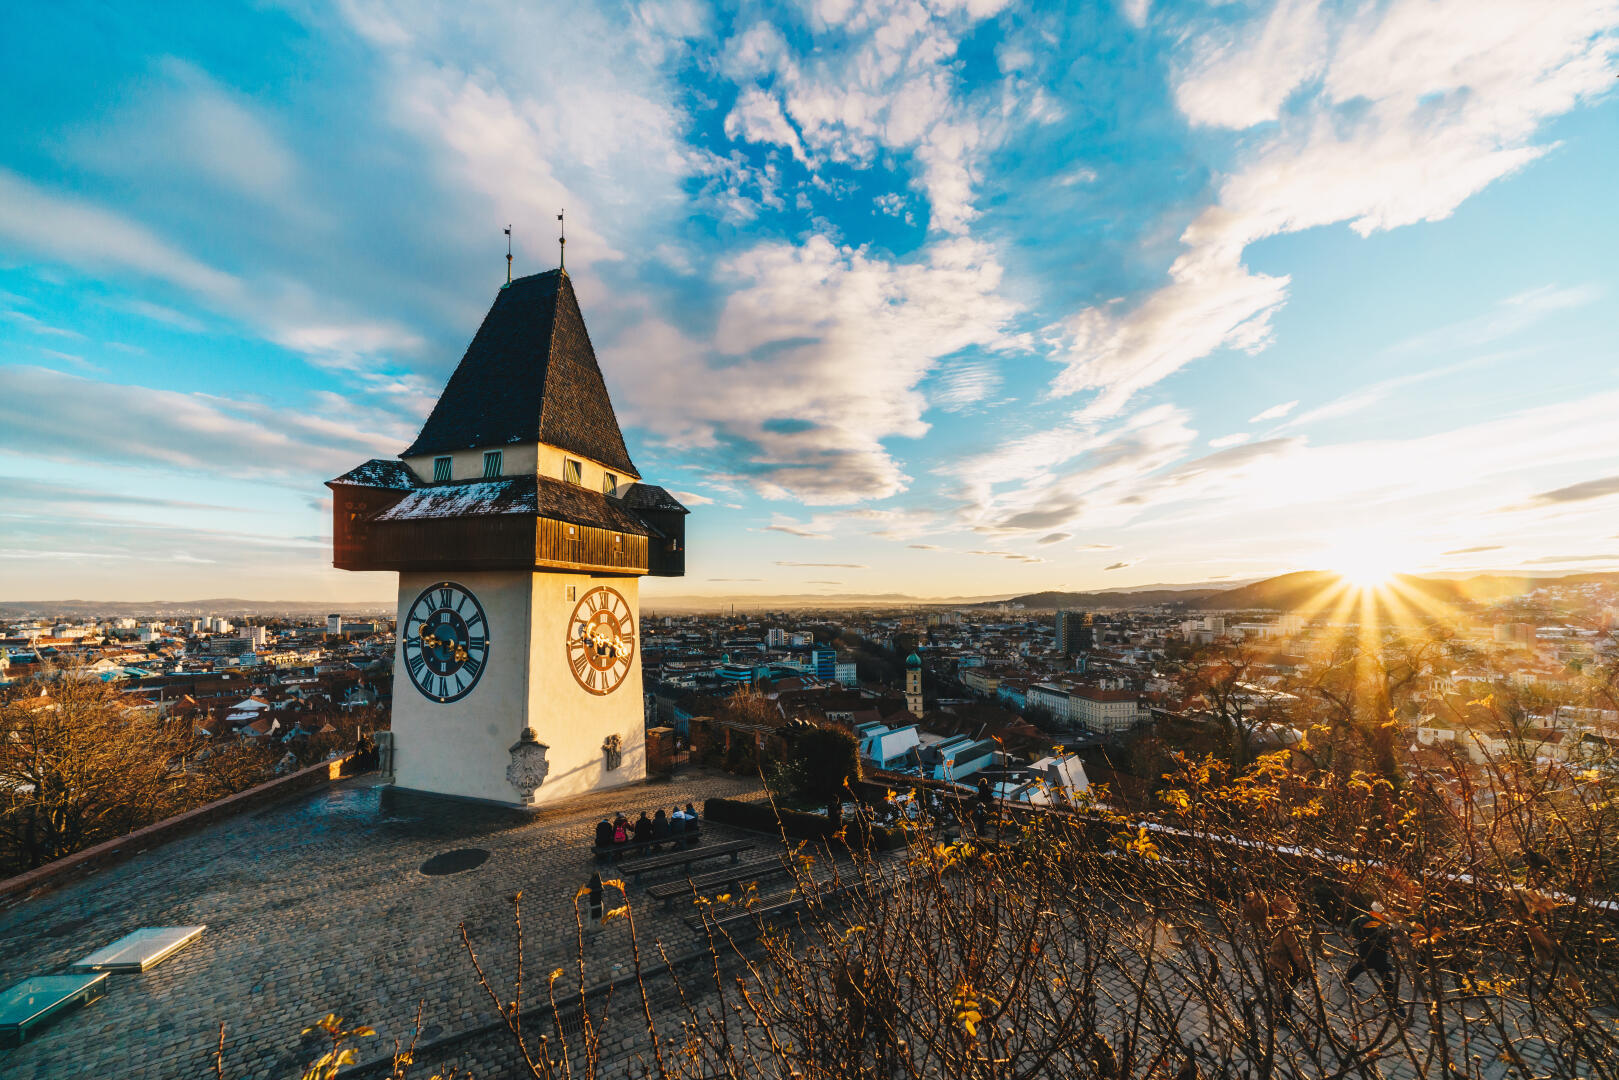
[[334, 624], [1074, 632], [824, 662], [776, 638]]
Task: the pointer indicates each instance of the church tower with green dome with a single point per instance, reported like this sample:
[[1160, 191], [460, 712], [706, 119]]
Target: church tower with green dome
[[913, 685]]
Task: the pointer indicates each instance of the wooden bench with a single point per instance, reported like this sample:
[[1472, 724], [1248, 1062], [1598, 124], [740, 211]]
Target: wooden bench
[[613, 852], [682, 859], [748, 923], [735, 876]]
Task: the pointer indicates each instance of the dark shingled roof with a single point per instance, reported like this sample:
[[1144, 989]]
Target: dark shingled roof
[[530, 375], [652, 497], [540, 495], [380, 473]]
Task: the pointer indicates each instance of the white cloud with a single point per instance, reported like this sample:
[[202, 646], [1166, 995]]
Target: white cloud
[[79, 233], [815, 361], [1241, 78], [188, 124], [1408, 109], [1236, 438], [1045, 494], [691, 498], [889, 85], [65, 417], [1275, 412], [963, 383], [757, 118]]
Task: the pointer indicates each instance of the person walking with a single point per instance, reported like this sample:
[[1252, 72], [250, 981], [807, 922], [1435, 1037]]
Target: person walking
[[595, 888], [1373, 956]]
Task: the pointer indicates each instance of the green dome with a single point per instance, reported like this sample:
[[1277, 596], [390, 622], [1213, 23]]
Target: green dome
[[913, 660]]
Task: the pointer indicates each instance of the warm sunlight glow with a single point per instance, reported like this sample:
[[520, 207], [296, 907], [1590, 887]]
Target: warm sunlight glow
[[1368, 562]]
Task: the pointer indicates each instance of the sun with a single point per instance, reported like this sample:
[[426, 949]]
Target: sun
[[1368, 562]]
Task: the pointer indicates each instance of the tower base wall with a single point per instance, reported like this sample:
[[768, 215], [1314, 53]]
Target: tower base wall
[[468, 748]]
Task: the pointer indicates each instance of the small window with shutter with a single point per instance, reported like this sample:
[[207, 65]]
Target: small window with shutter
[[573, 472], [491, 464], [441, 469], [609, 484]]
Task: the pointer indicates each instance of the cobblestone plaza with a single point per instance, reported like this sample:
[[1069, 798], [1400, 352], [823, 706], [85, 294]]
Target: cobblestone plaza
[[318, 905]]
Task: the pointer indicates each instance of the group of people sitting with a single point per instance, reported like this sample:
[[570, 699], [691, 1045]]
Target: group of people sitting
[[678, 827]]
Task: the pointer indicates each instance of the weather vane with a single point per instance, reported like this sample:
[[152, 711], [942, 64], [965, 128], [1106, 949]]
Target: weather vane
[[508, 254], [562, 242]]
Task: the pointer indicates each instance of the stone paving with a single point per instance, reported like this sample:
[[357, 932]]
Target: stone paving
[[317, 905]]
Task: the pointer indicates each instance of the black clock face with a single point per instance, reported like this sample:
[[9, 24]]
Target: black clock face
[[445, 642]]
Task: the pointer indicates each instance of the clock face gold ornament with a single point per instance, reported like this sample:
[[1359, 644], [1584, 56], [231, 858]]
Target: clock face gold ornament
[[601, 640], [445, 642]]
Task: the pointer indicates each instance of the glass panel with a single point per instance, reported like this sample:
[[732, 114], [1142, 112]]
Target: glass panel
[[34, 1000], [143, 949]]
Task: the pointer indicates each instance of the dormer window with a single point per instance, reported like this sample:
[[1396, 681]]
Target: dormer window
[[573, 471], [441, 469], [491, 464], [609, 484]]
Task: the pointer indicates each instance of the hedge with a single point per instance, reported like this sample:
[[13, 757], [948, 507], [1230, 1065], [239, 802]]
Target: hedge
[[762, 817]]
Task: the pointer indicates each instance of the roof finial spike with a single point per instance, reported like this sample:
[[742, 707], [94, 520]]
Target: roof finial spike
[[508, 254], [562, 242]]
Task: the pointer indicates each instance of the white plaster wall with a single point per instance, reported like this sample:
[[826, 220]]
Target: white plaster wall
[[566, 717], [462, 748], [518, 459]]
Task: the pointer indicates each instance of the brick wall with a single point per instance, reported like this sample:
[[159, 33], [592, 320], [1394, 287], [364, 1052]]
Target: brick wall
[[660, 751]]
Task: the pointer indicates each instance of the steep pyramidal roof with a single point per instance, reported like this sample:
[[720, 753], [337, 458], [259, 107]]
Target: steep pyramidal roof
[[529, 375]]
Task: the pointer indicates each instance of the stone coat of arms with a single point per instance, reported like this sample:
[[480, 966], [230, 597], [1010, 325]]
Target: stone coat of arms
[[528, 767]]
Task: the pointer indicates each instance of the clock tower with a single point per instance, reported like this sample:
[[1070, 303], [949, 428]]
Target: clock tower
[[520, 530]]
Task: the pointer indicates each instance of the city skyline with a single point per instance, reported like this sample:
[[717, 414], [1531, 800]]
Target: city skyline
[[952, 300]]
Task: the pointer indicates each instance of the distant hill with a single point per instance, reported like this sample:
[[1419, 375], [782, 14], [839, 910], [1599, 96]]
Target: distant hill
[[1092, 601], [1307, 589], [225, 607]]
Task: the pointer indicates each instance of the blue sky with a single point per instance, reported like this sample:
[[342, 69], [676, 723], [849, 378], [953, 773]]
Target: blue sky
[[945, 299]]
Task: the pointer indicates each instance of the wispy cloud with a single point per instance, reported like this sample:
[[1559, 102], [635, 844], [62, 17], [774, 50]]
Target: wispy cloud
[[826, 565], [1400, 160], [1585, 489]]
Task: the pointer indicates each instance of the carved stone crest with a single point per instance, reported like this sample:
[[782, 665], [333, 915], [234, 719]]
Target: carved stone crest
[[613, 748], [528, 768]]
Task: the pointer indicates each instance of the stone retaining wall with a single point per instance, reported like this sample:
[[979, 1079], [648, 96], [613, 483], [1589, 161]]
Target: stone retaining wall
[[71, 867]]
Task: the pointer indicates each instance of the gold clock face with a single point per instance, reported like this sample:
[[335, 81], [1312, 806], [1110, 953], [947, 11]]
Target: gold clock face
[[601, 640]]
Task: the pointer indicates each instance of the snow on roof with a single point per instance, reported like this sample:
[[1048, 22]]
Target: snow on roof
[[501, 496], [381, 473]]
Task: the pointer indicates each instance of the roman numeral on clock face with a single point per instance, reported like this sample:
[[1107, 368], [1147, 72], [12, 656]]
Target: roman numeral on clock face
[[444, 642]]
